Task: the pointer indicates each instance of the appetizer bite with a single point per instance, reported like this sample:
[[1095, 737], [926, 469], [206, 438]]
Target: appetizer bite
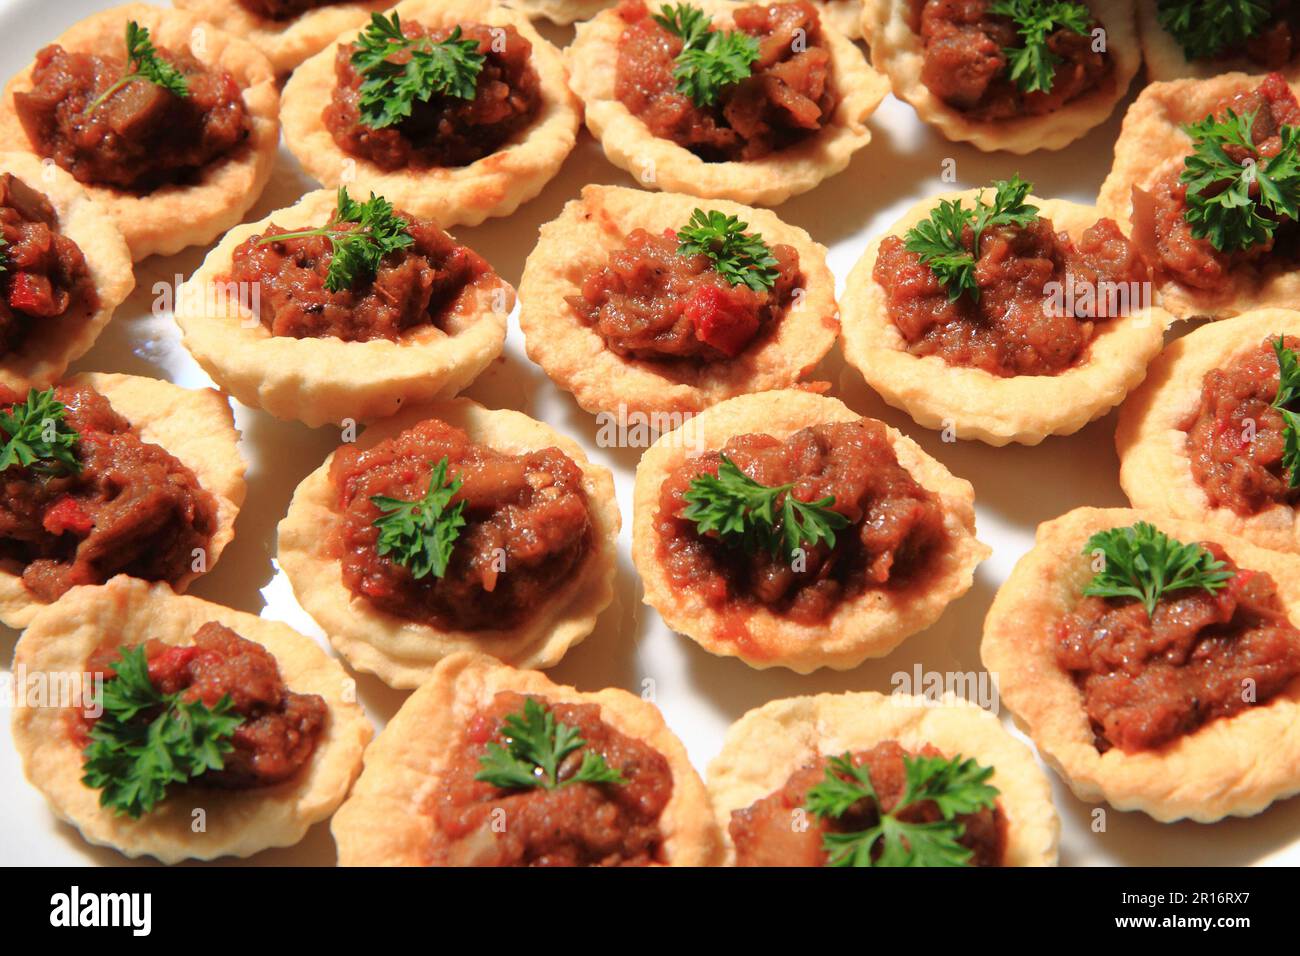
[[1202, 38], [455, 111], [665, 303], [107, 474], [453, 527], [784, 529], [166, 121], [486, 765], [201, 731], [1014, 75], [338, 308], [872, 780], [1000, 316], [754, 103], [1155, 662]]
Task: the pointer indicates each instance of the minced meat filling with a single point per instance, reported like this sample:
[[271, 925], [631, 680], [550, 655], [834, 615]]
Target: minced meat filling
[[1148, 681], [284, 9], [132, 509], [651, 302], [142, 136], [1236, 439], [445, 130], [45, 274], [578, 824], [894, 523], [789, 95], [769, 832], [965, 61], [1015, 327], [527, 527]]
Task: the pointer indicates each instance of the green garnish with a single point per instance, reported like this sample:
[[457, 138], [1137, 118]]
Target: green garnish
[[710, 59], [131, 760], [1033, 65], [1288, 394], [940, 240], [1205, 28], [957, 787], [37, 435], [536, 745], [1143, 562], [143, 63], [420, 534], [357, 252], [741, 511], [1226, 199], [4, 256], [448, 67], [739, 257]]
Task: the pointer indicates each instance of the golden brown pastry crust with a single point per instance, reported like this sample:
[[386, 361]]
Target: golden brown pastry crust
[[577, 359], [1230, 766], [401, 652], [898, 52], [238, 822], [195, 425], [1151, 145], [383, 822], [53, 344], [170, 218], [869, 625], [326, 380], [976, 403], [1154, 466], [286, 43], [1165, 59], [495, 185], [768, 744], [658, 163]]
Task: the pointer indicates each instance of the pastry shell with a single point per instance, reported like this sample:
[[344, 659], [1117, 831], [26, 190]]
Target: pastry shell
[[1154, 466], [495, 185], [577, 359], [659, 163], [383, 822], [1230, 766], [327, 380], [899, 52], [769, 743], [979, 404], [1165, 59], [238, 822], [54, 343], [195, 425], [561, 11], [172, 217], [401, 652], [869, 625]]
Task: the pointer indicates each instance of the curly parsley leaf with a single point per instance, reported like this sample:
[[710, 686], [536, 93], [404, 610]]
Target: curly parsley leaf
[[710, 60], [956, 787], [685, 21], [1288, 394], [37, 435], [1032, 65], [420, 534], [1143, 562], [133, 758], [738, 256], [940, 239], [1206, 28], [536, 746], [448, 67], [143, 63], [4, 255]]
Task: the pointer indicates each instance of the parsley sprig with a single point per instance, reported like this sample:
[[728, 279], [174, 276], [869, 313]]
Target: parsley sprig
[[536, 745], [447, 67], [741, 511], [710, 60], [738, 256], [143, 64], [420, 534], [356, 253], [132, 758], [1205, 28], [1288, 396], [957, 787], [1143, 562], [38, 436], [1032, 66], [940, 240]]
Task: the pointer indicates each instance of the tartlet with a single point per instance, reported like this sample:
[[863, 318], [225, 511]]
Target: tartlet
[[1165, 58]]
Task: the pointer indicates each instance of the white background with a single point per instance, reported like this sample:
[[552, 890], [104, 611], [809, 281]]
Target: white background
[[700, 695]]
